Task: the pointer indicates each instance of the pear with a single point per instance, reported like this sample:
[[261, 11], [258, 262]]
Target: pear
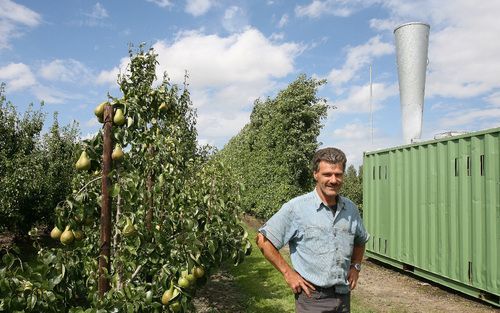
[[183, 282], [99, 110], [117, 154], [83, 163], [119, 118], [163, 107], [198, 272], [78, 234], [176, 307], [167, 296], [128, 229], [191, 279], [67, 236], [55, 233]]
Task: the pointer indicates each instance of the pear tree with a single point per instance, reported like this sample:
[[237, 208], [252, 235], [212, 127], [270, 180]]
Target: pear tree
[[174, 208]]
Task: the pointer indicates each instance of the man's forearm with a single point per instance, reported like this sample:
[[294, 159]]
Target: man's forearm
[[296, 282], [272, 254], [357, 254]]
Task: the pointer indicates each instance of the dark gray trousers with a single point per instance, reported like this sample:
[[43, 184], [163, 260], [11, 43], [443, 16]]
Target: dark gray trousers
[[323, 301]]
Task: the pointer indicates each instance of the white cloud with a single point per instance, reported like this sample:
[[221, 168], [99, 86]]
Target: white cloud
[[161, 3], [226, 74], [52, 95], [96, 17], [219, 125], [91, 123], [13, 18], [494, 99], [235, 19], [384, 25], [217, 61], [341, 8], [357, 58], [198, 7], [283, 21], [353, 131], [69, 70], [358, 98], [277, 36], [17, 76], [98, 12], [18, 13], [468, 117], [356, 137], [110, 77]]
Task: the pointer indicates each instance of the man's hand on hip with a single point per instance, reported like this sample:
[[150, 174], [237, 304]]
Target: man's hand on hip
[[297, 283], [353, 278]]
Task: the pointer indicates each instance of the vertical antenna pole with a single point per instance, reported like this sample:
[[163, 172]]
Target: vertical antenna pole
[[371, 110]]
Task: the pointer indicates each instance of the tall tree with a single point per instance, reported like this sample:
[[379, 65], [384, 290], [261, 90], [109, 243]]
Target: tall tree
[[35, 169], [272, 153]]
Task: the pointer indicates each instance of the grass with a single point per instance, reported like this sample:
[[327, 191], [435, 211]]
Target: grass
[[264, 287]]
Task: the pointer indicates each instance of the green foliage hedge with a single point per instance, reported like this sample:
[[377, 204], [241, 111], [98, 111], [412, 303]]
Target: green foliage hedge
[[272, 154], [352, 186], [35, 169]]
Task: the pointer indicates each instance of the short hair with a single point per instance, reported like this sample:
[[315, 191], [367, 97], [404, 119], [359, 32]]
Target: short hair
[[330, 155]]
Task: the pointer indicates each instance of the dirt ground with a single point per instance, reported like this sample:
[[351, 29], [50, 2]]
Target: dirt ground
[[384, 289], [380, 289]]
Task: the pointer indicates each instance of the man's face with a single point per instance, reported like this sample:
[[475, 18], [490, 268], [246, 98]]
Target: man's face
[[329, 179]]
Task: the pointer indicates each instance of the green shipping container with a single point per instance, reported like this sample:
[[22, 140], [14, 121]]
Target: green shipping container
[[433, 208]]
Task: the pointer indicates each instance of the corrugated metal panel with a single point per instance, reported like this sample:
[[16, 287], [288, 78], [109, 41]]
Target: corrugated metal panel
[[434, 208]]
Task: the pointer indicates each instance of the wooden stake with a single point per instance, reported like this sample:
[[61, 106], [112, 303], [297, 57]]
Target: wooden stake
[[105, 247]]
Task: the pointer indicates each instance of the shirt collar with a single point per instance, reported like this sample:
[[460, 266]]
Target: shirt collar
[[319, 203]]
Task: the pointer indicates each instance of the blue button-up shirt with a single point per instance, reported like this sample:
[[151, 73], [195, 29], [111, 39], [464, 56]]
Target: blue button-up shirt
[[320, 242]]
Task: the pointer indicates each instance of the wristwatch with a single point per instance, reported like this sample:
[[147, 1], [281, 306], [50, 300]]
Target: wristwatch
[[357, 266]]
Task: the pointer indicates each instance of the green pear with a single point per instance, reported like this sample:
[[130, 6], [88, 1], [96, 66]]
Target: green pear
[[55, 233], [67, 236], [183, 282], [78, 234], [99, 110], [163, 107], [167, 295], [117, 154], [83, 163], [128, 229], [119, 118], [198, 272]]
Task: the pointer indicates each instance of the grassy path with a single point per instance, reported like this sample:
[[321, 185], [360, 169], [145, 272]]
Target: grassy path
[[262, 285]]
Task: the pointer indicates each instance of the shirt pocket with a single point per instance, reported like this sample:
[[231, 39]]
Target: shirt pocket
[[345, 242], [318, 240]]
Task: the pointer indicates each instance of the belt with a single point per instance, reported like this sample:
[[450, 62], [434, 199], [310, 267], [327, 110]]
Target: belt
[[343, 289]]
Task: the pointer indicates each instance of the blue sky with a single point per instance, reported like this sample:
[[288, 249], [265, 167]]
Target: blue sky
[[68, 54]]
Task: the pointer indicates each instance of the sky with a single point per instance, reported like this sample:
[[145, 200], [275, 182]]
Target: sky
[[68, 55]]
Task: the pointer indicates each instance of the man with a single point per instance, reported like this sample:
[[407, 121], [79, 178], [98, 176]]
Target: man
[[326, 237]]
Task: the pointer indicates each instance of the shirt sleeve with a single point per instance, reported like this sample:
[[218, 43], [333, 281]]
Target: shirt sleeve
[[361, 236], [281, 227]]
